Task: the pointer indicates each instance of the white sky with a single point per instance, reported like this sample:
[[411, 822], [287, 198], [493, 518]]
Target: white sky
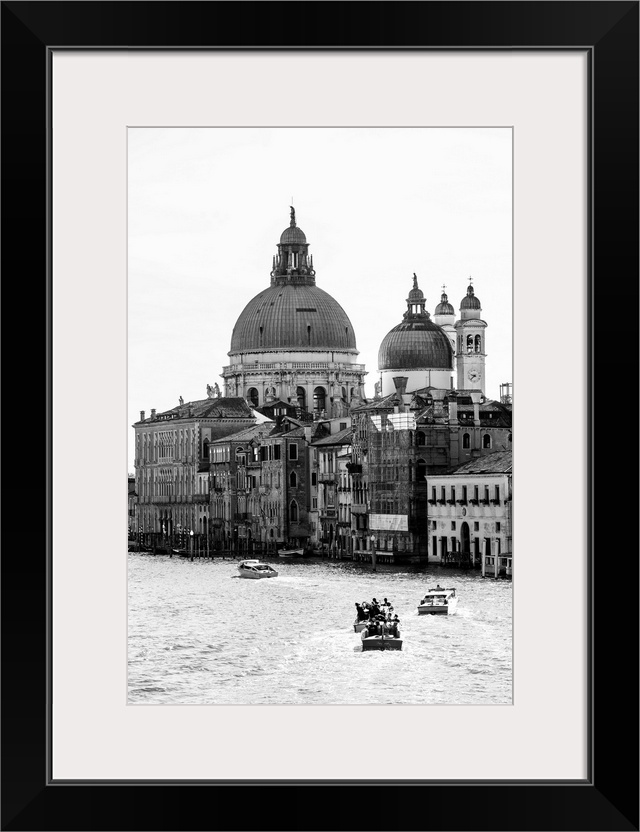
[[207, 207]]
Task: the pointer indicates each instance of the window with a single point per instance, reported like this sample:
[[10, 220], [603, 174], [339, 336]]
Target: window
[[486, 441], [476, 527], [314, 479], [293, 511], [434, 524], [293, 451], [433, 493], [453, 493], [453, 525], [443, 493], [252, 395], [497, 493], [276, 451], [497, 526], [314, 502], [466, 440], [343, 425], [476, 493], [486, 493], [293, 479], [420, 438], [464, 493]]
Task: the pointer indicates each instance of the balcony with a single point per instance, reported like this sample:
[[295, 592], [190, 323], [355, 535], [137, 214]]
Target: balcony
[[358, 508], [201, 498], [326, 477]]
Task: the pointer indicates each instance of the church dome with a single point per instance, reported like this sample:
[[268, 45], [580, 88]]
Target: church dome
[[444, 307], [416, 343], [293, 316], [470, 301]]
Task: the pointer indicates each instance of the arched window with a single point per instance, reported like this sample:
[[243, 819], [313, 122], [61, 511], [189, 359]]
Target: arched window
[[344, 393], [301, 395], [509, 437], [205, 449], [466, 440], [293, 479], [486, 441], [293, 511], [252, 395], [421, 470], [469, 343], [319, 398], [478, 344], [421, 439]]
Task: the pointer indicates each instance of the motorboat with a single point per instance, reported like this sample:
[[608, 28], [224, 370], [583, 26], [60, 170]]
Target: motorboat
[[358, 626], [255, 569], [385, 641], [438, 600], [291, 553]]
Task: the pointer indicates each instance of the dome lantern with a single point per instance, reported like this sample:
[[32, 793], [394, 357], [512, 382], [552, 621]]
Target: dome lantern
[[416, 302], [292, 263]]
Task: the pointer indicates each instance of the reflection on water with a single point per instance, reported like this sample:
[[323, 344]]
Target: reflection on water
[[199, 634]]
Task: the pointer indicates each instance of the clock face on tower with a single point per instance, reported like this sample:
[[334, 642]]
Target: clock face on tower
[[473, 374]]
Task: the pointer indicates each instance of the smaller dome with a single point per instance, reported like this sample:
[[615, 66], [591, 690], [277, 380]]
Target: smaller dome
[[294, 235], [470, 301], [444, 307]]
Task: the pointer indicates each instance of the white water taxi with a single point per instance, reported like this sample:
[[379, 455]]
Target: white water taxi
[[256, 569], [438, 600]]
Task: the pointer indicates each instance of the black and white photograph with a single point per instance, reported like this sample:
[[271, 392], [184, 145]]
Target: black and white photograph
[[320, 406]]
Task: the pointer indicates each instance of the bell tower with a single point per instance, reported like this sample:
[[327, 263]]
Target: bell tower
[[470, 344]]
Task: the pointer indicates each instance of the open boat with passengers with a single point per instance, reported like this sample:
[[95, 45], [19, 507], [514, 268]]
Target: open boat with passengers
[[381, 635], [439, 600], [255, 569]]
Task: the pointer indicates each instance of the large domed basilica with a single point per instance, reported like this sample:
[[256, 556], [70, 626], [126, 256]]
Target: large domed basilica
[[293, 341]]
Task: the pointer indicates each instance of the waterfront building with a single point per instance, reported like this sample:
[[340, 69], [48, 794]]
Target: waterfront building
[[171, 456], [235, 480], [293, 341], [470, 514], [333, 454], [131, 501]]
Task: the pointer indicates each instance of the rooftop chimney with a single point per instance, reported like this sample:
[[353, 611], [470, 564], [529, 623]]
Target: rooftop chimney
[[142, 415], [153, 413], [400, 384]]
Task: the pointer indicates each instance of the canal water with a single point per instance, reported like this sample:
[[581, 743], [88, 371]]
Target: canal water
[[199, 634]]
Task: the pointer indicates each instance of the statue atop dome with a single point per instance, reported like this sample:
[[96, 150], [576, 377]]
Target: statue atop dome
[[293, 216]]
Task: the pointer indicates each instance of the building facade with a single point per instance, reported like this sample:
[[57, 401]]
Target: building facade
[[171, 468], [470, 511]]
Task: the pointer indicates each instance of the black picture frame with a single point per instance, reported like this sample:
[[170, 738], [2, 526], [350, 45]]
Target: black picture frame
[[608, 799]]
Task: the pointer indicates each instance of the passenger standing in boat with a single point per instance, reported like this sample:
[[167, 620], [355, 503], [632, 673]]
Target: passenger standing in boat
[[360, 612]]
